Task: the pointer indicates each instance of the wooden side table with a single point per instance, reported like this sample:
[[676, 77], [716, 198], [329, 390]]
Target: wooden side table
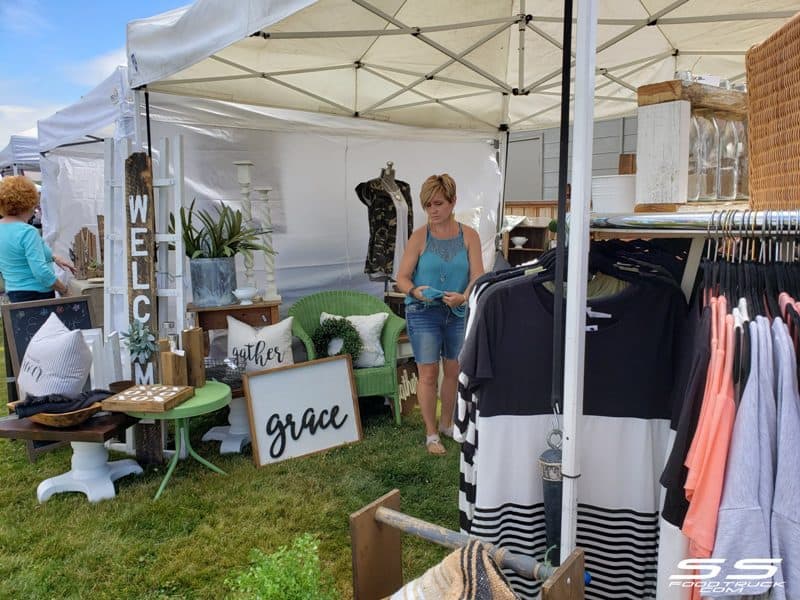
[[236, 434], [91, 473], [257, 314]]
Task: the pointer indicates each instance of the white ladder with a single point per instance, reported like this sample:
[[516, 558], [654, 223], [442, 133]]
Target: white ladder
[[168, 189]]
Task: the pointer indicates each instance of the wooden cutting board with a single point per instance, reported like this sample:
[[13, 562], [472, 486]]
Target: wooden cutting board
[[148, 398]]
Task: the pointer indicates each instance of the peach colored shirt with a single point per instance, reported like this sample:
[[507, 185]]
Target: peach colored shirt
[[698, 447], [700, 525]]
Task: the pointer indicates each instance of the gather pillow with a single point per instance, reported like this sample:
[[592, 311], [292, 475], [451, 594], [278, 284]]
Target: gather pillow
[[261, 347], [57, 361], [369, 328]]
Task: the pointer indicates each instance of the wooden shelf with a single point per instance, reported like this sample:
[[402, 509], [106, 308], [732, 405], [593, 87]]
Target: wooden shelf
[[700, 95]]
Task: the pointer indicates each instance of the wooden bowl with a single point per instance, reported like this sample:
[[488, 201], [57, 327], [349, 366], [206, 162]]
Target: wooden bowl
[[67, 419]]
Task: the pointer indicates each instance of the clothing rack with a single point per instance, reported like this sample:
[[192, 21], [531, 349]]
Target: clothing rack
[[699, 226], [377, 562]]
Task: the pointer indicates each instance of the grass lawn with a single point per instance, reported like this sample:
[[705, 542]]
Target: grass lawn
[[204, 526]]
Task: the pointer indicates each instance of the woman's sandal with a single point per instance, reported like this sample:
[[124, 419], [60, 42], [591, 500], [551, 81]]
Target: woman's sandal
[[446, 432], [434, 446]]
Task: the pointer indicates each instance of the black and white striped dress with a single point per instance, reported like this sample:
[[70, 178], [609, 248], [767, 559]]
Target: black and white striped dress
[[504, 417]]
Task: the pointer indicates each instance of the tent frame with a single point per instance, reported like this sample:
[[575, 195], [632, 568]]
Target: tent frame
[[522, 22]]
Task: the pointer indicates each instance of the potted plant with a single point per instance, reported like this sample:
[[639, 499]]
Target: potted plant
[[141, 342], [211, 242], [94, 269]]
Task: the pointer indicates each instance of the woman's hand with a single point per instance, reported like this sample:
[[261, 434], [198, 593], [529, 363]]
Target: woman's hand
[[417, 294], [453, 299], [61, 287], [64, 264]]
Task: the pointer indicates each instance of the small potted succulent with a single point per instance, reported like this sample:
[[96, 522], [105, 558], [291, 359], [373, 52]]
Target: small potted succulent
[[94, 269], [212, 240], [141, 342]]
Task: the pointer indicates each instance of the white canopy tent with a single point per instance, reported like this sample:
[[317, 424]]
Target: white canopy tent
[[313, 163], [21, 153], [455, 63], [445, 64]]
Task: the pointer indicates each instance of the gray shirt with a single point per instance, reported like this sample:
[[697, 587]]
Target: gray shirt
[[743, 527], [785, 505]]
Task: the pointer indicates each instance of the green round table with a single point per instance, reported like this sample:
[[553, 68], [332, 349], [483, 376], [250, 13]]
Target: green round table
[[212, 396]]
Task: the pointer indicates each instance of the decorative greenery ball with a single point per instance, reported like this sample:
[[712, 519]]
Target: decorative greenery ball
[[337, 328]]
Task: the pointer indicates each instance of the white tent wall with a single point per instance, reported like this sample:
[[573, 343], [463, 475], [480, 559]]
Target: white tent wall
[[312, 162], [72, 197], [321, 230]]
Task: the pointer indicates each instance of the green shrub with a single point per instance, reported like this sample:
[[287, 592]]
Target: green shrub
[[289, 573]]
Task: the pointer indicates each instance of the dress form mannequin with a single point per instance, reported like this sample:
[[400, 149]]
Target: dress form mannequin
[[387, 177], [401, 210], [390, 222]]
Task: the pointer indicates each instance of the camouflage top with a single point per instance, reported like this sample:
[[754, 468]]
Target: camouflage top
[[382, 226]]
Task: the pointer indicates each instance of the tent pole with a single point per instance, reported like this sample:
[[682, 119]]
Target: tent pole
[[557, 378], [521, 48], [502, 159], [578, 263], [503, 156], [147, 121]]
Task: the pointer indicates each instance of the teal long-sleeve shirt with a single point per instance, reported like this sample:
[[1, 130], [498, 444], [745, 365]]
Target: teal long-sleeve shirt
[[26, 262]]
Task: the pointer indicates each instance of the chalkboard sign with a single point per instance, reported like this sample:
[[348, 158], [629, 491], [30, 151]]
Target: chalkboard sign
[[22, 320]]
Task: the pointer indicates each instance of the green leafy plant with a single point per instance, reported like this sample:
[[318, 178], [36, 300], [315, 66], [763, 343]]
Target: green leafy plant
[[553, 226], [220, 235], [140, 341], [289, 573], [337, 328]]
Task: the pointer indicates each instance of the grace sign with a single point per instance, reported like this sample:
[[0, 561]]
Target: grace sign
[[302, 409]]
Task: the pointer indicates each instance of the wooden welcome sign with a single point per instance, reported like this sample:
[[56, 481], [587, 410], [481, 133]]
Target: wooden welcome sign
[[302, 409], [141, 225]]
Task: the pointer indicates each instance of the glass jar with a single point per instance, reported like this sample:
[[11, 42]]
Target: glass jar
[[728, 169], [168, 332], [708, 155], [693, 191], [742, 160]]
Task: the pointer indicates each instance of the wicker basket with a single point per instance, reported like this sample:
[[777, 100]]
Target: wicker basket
[[228, 371], [773, 101]]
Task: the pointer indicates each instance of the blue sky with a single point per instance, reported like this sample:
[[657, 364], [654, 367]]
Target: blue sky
[[54, 51]]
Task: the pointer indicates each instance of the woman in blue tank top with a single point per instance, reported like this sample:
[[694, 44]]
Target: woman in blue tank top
[[440, 261]]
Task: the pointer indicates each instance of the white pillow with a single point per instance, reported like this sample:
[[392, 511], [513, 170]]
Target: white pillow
[[57, 361], [369, 328], [262, 347]]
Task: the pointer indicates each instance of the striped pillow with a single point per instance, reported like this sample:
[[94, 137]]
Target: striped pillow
[[57, 361]]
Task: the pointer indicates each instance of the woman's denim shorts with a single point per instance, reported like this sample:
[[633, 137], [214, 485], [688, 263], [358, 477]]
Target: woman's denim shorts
[[434, 332]]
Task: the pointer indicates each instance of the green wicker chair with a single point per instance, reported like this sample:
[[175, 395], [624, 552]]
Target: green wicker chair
[[372, 381]]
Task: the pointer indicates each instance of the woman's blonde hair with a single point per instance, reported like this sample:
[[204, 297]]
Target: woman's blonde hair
[[18, 194], [436, 184]]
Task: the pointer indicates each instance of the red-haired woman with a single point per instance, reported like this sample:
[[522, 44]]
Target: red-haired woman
[[26, 262]]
